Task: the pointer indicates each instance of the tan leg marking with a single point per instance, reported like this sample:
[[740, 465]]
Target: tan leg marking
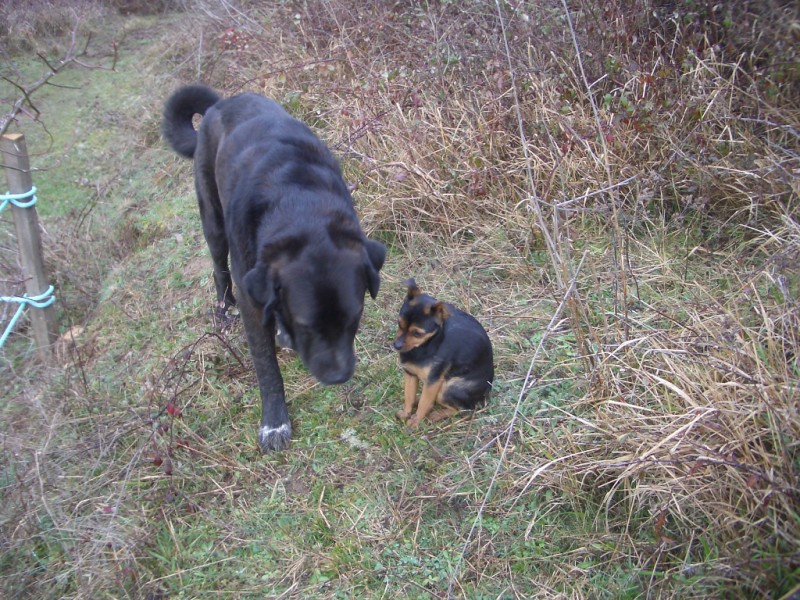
[[430, 393], [410, 384], [442, 413]]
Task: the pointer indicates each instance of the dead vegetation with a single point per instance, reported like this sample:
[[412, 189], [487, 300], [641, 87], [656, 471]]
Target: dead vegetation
[[634, 163]]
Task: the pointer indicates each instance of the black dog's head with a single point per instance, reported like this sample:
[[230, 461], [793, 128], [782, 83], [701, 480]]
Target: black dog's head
[[421, 318], [314, 289]]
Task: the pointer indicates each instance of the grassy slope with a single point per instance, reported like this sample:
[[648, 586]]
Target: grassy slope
[[311, 516], [120, 498]]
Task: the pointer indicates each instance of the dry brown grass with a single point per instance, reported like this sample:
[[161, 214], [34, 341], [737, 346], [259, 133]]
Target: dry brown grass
[[43, 25], [658, 152], [685, 198]]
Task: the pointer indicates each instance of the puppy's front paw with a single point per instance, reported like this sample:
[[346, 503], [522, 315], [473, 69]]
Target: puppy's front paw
[[402, 415], [414, 422], [273, 439]]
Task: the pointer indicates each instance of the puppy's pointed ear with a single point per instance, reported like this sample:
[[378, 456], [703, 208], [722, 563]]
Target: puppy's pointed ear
[[440, 313], [376, 254], [261, 286], [413, 290]]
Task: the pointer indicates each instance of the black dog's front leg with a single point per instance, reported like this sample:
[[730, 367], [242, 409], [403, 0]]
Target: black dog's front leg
[[276, 429]]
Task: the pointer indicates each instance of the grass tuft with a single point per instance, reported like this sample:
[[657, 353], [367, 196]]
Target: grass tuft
[[610, 188]]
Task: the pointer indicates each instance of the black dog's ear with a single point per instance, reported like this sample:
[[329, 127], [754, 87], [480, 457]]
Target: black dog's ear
[[376, 254], [262, 288]]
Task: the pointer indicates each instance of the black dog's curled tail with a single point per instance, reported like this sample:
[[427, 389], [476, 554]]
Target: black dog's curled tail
[[179, 110]]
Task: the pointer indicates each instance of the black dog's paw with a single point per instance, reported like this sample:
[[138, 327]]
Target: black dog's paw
[[272, 439], [284, 340], [225, 317]]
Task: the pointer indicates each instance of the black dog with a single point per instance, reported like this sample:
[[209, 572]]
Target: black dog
[[449, 350], [272, 195]]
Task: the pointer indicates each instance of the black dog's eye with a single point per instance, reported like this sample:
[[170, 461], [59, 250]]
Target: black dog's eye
[[417, 334]]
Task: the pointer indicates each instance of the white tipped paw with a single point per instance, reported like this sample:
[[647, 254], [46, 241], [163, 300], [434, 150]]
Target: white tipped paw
[[273, 439]]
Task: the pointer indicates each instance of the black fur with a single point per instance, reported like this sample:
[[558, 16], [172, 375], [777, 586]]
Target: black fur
[[272, 196], [460, 348], [438, 342], [182, 106]]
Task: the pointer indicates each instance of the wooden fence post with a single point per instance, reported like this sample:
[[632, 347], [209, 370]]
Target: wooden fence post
[[26, 221]]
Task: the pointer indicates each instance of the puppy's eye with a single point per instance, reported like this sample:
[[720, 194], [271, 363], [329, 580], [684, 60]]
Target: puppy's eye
[[417, 334]]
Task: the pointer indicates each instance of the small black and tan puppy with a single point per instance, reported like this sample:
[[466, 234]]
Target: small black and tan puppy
[[448, 350], [272, 197]]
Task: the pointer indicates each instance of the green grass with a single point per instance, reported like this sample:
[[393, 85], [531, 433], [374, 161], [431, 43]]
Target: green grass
[[658, 465]]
